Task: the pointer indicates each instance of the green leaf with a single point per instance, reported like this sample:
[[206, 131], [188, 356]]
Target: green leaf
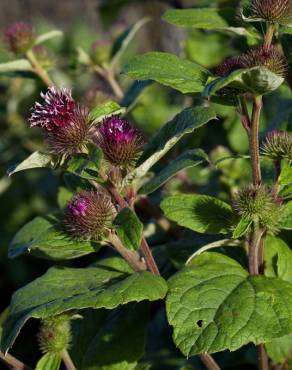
[[169, 70], [215, 305], [43, 237], [200, 213], [83, 57], [124, 40], [286, 218], [278, 259], [285, 177], [109, 108], [257, 80], [190, 158], [64, 195], [35, 160], [98, 343], [242, 228], [49, 361], [280, 349], [133, 93], [20, 65], [205, 18], [183, 123], [129, 228], [48, 36], [106, 285], [86, 166]]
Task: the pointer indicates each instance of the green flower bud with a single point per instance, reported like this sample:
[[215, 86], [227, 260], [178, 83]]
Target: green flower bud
[[55, 334], [278, 145], [259, 205]]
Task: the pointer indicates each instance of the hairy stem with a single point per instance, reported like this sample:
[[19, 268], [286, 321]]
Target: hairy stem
[[262, 358], [38, 69], [133, 258], [269, 35], [254, 141], [67, 360], [209, 362], [13, 362], [253, 251]]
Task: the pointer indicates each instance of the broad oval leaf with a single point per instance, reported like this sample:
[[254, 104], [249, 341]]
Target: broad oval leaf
[[129, 228], [201, 213], [35, 160], [43, 237], [257, 80], [285, 177], [169, 70], [190, 158], [183, 123], [105, 285], [286, 219], [204, 18], [215, 305]]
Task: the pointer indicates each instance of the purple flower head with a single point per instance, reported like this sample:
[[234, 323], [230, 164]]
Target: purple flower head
[[274, 11], [56, 110], [19, 37], [229, 65], [89, 215], [79, 206], [120, 142], [64, 122]]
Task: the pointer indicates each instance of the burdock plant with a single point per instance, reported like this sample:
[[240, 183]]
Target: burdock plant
[[124, 204]]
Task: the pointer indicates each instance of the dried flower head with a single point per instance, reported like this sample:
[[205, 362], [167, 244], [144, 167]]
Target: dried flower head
[[268, 57], [278, 145], [89, 215], [260, 205], [65, 123], [279, 11], [19, 37], [119, 141], [229, 65], [55, 334]]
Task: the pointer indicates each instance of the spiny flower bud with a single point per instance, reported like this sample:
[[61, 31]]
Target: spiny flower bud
[[100, 51], [229, 65], [44, 56], [65, 123], [278, 145], [55, 334], [268, 57], [278, 11], [19, 37], [119, 141], [89, 215], [259, 205]]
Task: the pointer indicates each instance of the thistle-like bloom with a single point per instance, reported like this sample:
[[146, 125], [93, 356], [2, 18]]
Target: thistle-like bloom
[[228, 66], [278, 145], [119, 141], [89, 215], [64, 122], [19, 37], [279, 11], [268, 57], [259, 205]]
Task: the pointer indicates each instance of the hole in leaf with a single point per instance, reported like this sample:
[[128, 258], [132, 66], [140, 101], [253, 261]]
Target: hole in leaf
[[200, 323]]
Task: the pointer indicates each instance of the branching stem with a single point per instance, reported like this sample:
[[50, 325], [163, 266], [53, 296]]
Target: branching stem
[[67, 360], [38, 69], [13, 362], [254, 141]]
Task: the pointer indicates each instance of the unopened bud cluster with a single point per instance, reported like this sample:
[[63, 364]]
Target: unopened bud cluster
[[55, 334], [278, 145], [260, 205]]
